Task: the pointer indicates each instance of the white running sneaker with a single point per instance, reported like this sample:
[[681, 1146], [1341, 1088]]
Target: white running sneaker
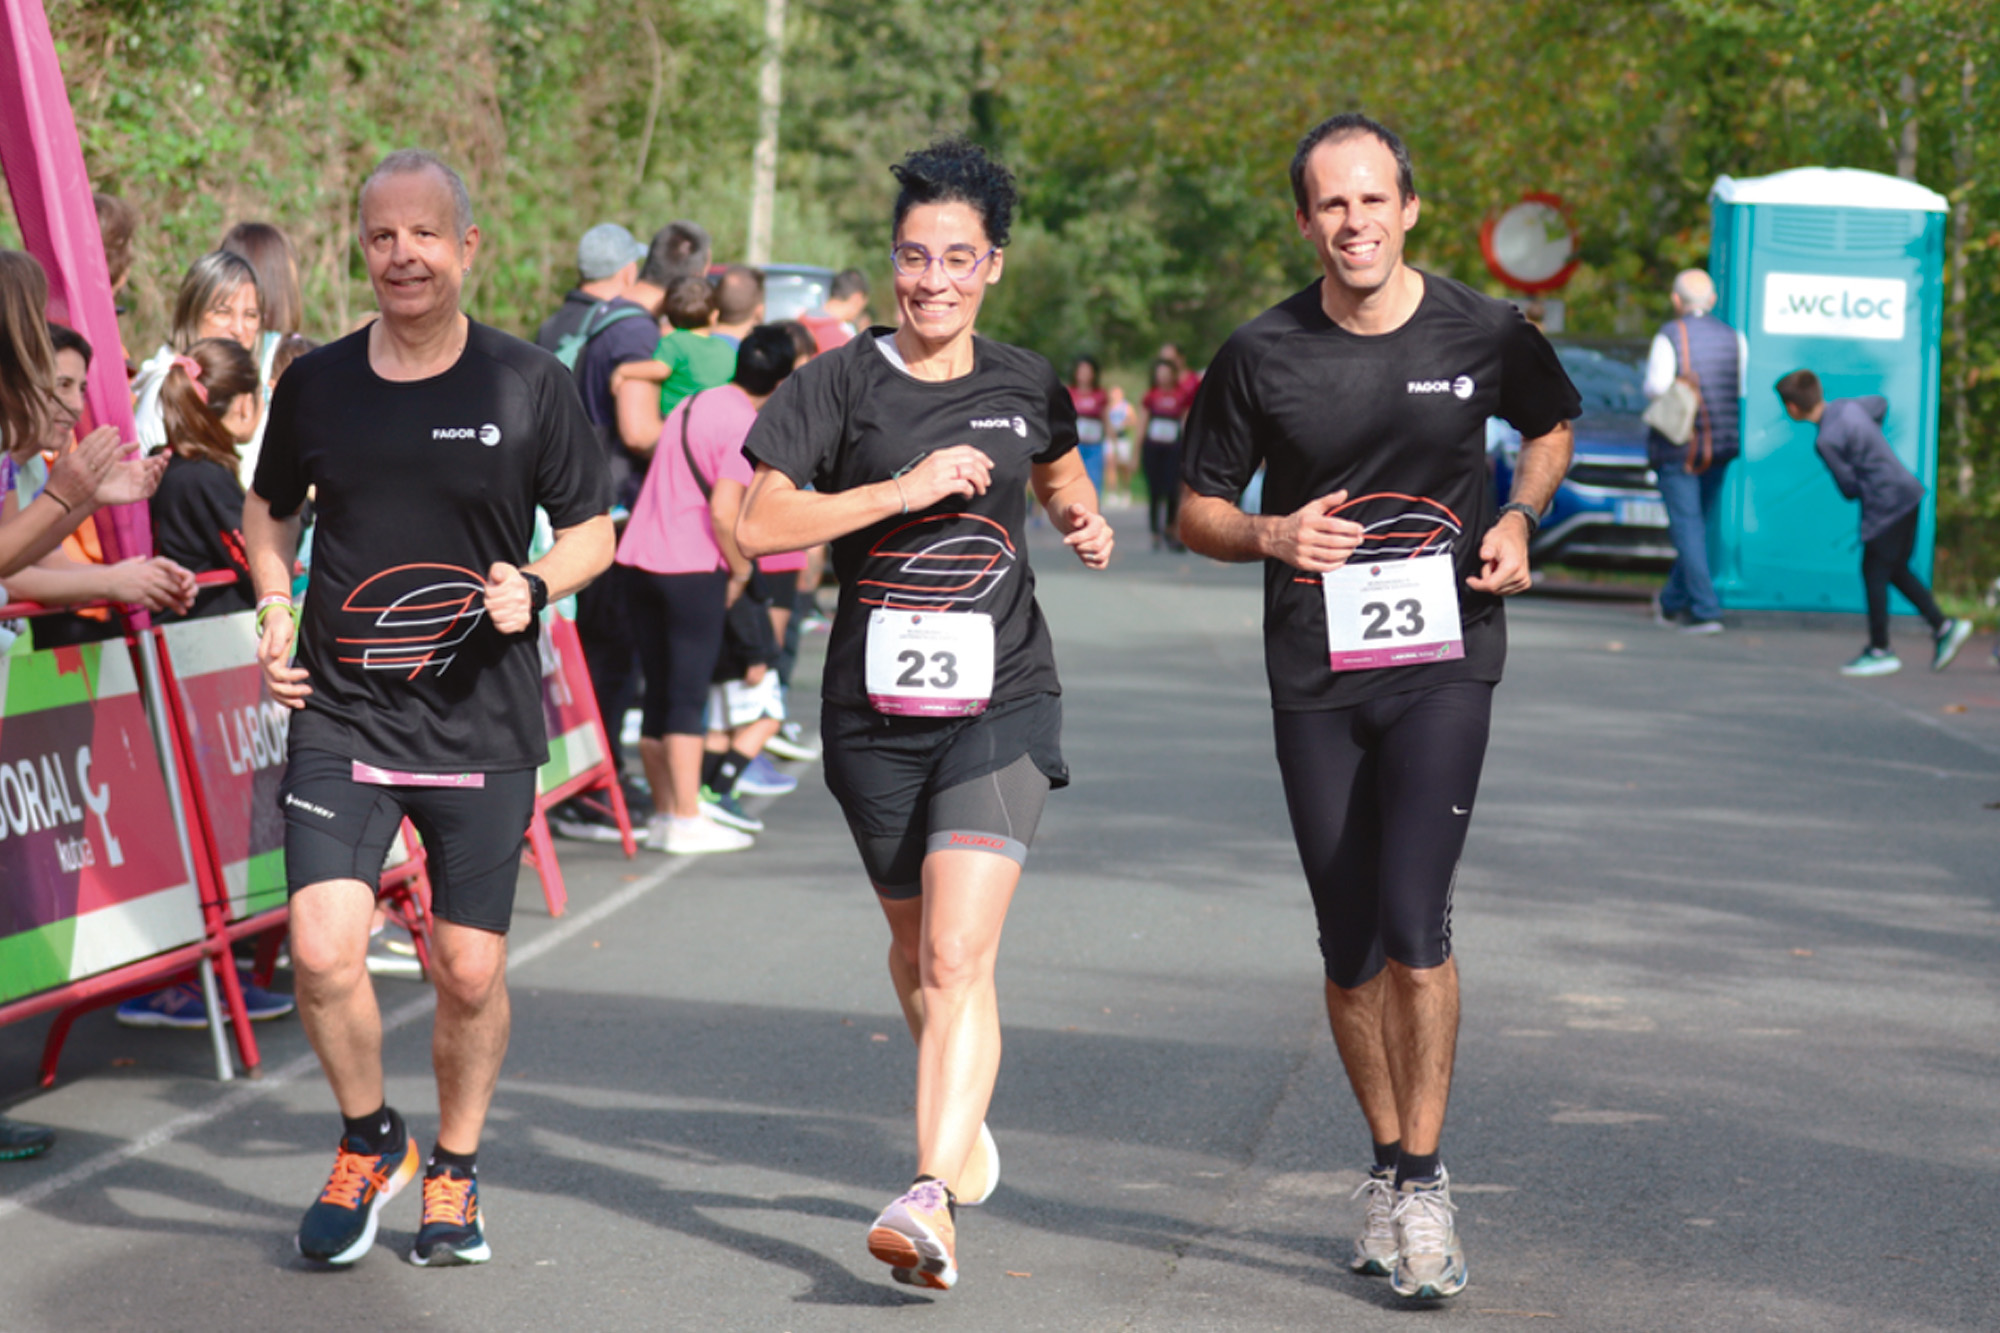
[[1375, 1247], [916, 1235], [1949, 640], [1430, 1262], [792, 742], [981, 1175], [693, 836], [1873, 662]]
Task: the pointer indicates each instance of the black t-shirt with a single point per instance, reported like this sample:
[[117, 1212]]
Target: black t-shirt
[[421, 487], [1398, 420], [198, 523], [851, 417]]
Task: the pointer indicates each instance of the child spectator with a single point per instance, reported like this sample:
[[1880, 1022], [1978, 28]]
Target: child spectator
[[1851, 444], [212, 401]]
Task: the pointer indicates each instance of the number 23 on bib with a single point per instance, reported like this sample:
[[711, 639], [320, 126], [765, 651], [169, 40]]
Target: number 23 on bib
[[1389, 613], [930, 663]]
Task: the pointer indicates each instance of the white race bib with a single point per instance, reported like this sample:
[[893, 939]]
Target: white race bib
[[930, 663], [1393, 613], [1089, 430], [1162, 430]]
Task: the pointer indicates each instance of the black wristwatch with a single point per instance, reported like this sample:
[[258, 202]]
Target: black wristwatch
[[1525, 510], [538, 592]]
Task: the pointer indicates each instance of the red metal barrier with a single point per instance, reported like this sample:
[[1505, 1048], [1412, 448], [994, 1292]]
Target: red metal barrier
[[579, 766]]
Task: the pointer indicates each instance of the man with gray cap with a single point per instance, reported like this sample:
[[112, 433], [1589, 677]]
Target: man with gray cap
[[613, 330], [1697, 347], [607, 264]]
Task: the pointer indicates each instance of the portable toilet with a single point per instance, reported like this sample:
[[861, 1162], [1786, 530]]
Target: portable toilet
[[1839, 272]]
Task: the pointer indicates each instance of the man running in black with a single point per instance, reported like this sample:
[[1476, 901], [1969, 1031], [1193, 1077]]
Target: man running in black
[[428, 441], [1366, 397]]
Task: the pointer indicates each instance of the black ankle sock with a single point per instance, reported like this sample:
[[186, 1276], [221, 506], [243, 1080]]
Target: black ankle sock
[[710, 764], [1416, 1166], [466, 1163], [376, 1132], [1387, 1155], [728, 768]]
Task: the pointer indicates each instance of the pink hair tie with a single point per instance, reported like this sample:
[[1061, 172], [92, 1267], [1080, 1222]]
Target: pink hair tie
[[193, 369]]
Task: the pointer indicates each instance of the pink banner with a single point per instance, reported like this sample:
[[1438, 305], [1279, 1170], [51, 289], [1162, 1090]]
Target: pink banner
[[43, 161]]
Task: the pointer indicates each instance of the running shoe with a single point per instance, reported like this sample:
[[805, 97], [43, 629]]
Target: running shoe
[[1949, 640], [182, 1006], [762, 778], [694, 836], [793, 743], [340, 1226], [729, 810], [1430, 1262], [916, 1236], [580, 823], [453, 1231], [18, 1140], [981, 1175], [1873, 662], [1702, 627], [1375, 1247], [392, 953]]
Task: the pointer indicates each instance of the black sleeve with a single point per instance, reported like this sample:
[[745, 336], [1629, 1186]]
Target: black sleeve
[[280, 479], [800, 428], [572, 480], [1220, 451], [1536, 395], [1062, 418]]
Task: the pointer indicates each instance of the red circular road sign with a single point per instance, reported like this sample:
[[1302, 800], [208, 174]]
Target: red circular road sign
[[1532, 245]]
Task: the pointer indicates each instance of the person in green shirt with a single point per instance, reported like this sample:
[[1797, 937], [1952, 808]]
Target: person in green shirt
[[688, 359]]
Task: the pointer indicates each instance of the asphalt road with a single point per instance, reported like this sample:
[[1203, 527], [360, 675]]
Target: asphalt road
[[1727, 926]]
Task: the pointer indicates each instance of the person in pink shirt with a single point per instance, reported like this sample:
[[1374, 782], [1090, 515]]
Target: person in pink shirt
[[681, 541]]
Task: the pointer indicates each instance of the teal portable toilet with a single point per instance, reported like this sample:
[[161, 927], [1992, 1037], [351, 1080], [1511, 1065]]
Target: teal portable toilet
[[1840, 272]]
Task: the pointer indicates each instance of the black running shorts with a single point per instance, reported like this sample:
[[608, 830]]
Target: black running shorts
[[1380, 796], [910, 786], [337, 828]]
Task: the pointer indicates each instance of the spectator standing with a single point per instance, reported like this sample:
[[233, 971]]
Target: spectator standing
[[1851, 444], [835, 323], [739, 302], [1696, 347], [213, 403], [689, 570], [678, 250], [219, 298], [1165, 405], [598, 330], [276, 262], [58, 579]]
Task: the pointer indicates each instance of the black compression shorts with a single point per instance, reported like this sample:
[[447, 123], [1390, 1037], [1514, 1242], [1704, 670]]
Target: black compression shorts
[[337, 828], [910, 786], [1380, 796]]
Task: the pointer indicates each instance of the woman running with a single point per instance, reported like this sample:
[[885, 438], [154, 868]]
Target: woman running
[[941, 720]]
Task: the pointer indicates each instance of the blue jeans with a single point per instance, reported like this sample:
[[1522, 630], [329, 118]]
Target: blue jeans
[[1690, 505]]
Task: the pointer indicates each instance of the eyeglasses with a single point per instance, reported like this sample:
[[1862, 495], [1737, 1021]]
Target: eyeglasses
[[959, 262]]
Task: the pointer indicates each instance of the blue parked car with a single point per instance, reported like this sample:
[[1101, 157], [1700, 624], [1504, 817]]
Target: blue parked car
[[1608, 510]]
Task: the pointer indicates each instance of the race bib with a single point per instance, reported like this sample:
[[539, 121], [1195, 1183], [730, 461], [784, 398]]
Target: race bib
[[1089, 430], [1162, 430], [1393, 613], [930, 663]]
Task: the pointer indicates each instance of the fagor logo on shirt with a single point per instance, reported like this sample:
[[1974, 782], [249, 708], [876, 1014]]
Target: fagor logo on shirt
[[1018, 425], [488, 434], [1460, 388]]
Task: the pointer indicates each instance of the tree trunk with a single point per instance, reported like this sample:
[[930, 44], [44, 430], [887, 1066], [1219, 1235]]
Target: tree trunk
[[764, 159], [1961, 233], [1906, 143]]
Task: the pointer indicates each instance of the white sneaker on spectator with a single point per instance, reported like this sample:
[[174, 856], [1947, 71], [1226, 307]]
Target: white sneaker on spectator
[[693, 836], [793, 743]]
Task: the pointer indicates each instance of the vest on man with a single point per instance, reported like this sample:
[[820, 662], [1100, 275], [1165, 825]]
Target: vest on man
[[1712, 358]]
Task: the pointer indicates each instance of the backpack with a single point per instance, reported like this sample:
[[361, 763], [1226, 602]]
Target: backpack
[[569, 349]]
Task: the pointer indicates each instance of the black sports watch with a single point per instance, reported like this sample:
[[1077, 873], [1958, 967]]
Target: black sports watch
[[1525, 510], [538, 592]]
